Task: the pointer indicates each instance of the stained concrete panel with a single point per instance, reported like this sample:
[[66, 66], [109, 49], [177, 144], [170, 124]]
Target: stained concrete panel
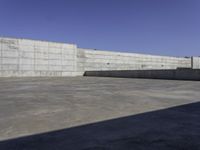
[[39, 58]]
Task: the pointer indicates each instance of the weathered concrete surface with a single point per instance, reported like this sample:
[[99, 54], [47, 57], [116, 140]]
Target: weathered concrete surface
[[90, 60], [31, 58], [195, 62], [29, 106], [176, 74], [22, 57]]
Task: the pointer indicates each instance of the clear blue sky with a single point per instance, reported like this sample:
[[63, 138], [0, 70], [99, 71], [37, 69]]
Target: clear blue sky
[[164, 27]]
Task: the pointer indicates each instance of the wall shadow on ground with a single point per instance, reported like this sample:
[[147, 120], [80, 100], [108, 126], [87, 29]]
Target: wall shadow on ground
[[176, 128], [169, 74]]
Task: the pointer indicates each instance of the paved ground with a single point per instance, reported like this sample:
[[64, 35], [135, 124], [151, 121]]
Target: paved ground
[[87, 113]]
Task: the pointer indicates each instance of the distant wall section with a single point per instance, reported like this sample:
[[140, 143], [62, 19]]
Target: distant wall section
[[195, 62], [91, 60]]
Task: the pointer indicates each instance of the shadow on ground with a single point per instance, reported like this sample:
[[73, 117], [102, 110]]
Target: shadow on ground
[[176, 128]]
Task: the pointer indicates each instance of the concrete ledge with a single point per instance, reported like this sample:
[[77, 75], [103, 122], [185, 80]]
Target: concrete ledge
[[178, 74]]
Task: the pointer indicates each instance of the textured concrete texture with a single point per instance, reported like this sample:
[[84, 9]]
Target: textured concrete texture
[[89, 113], [22, 57], [195, 62], [91, 60]]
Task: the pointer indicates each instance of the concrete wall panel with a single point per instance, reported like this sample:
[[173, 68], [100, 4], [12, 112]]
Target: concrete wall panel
[[104, 60], [21, 57], [195, 62]]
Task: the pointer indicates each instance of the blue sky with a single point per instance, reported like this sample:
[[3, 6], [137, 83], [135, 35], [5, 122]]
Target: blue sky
[[163, 27]]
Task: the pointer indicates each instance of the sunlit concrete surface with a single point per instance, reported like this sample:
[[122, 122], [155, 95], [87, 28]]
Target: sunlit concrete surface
[[31, 106], [34, 58]]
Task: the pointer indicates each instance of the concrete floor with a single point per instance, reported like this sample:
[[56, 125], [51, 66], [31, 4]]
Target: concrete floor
[[87, 113]]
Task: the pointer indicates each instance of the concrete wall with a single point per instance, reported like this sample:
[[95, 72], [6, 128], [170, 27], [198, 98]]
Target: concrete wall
[[89, 60], [195, 62], [20, 57]]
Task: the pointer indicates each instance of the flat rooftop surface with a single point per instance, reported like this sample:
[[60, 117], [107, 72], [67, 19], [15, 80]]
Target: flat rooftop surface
[[91, 113]]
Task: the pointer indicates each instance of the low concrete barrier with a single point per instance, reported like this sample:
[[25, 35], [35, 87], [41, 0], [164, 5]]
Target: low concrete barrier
[[176, 74]]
